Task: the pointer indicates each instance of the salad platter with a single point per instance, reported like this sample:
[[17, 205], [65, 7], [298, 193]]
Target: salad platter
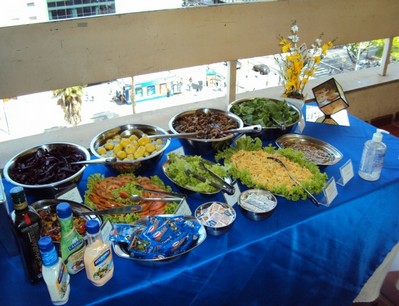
[[192, 173]]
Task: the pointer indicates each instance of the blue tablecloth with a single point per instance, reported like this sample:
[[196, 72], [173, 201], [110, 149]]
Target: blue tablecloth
[[301, 255]]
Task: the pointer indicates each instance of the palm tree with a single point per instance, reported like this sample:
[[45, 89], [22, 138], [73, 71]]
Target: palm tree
[[70, 100]]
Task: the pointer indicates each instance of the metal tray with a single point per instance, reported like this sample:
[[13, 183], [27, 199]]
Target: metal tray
[[332, 154], [187, 189], [49, 206], [120, 248]]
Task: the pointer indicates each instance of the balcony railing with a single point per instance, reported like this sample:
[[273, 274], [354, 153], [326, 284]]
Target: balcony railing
[[46, 56]]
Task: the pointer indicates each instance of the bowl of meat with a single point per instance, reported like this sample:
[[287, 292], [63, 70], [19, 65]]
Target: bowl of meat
[[214, 129]]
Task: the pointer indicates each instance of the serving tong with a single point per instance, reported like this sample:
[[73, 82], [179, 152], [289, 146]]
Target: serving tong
[[282, 126], [308, 193], [218, 182], [169, 197]]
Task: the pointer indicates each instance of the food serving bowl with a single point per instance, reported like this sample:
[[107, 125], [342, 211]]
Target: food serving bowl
[[274, 121], [216, 217], [206, 145], [257, 204], [50, 226], [47, 169], [121, 248], [126, 131]]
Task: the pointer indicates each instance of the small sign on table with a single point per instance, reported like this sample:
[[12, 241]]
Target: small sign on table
[[331, 99]]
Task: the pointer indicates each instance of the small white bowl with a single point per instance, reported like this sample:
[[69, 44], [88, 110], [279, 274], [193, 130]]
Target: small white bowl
[[216, 217], [257, 204]]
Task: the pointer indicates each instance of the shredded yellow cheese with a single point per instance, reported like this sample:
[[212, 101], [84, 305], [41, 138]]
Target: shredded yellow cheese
[[269, 173]]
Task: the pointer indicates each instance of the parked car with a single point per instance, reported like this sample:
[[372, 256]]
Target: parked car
[[261, 68], [238, 65]]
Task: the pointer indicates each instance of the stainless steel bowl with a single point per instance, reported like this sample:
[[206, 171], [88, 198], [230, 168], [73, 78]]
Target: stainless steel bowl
[[130, 166], [275, 131], [204, 214], [205, 146], [51, 188], [257, 204]]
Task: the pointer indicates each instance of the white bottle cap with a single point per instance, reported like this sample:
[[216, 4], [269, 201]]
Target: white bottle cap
[[377, 136]]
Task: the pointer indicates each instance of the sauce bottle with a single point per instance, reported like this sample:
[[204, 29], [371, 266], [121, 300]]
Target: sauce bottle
[[54, 271], [98, 256], [27, 227], [72, 244]]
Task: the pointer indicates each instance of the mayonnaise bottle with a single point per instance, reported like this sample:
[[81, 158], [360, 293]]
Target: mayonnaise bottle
[[54, 272], [98, 260]]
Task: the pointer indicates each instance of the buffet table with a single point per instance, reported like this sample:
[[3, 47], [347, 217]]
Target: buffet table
[[302, 254]]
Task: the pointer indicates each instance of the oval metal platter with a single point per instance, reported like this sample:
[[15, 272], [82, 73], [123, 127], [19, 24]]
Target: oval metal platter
[[120, 248], [316, 151], [187, 189], [47, 210]]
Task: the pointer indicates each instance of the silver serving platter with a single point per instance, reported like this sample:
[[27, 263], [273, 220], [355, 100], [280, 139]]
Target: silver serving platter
[[334, 154], [49, 206], [186, 188], [121, 251]]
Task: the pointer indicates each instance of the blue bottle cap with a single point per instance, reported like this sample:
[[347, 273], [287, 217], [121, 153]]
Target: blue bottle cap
[[47, 251], [92, 227], [45, 244], [64, 210]]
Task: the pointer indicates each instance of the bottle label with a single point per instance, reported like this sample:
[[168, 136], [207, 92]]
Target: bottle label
[[74, 261], [31, 236], [101, 265], [72, 246], [62, 281]]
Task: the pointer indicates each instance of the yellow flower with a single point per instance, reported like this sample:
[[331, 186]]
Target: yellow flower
[[297, 65], [283, 42], [285, 48]]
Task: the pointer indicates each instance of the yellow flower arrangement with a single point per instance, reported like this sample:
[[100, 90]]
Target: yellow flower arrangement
[[297, 63]]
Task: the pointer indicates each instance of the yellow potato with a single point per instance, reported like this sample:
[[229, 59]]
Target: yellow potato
[[150, 147], [118, 148], [121, 155], [101, 150], [109, 146], [130, 149], [139, 152], [143, 141], [133, 138], [124, 142]]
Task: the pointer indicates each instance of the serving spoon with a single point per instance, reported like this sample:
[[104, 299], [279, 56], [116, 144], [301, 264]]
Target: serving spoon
[[248, 129]]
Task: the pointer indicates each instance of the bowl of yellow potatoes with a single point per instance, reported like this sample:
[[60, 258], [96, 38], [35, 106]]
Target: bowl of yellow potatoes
[[130, 146]]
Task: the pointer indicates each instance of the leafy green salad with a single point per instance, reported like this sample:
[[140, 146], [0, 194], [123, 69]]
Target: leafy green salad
[[176, 171], [262, 111]]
